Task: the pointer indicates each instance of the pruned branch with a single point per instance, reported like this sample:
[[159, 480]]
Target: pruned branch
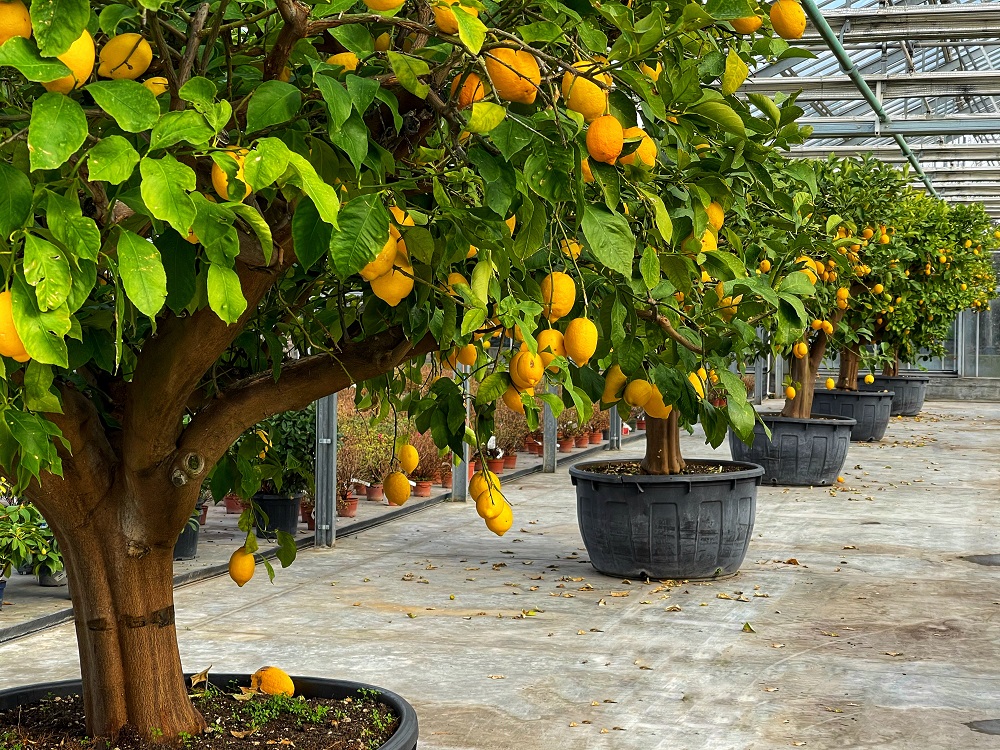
[[218, 425], [296, 27]]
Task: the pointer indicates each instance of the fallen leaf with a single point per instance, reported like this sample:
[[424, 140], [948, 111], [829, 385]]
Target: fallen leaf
[[833, 710], [893, 653], [620, 593], [595, 703], [770, 690], [618, 729], [777, 645], [608, 700], [722, 595], [849, 546], [601, 603], [791, 561], [241, 735], [411, 615], [748, 628], [603, 730], [496, 677], [201, 677], [581, 632], [672, 608], [831, 635], [573, 724]]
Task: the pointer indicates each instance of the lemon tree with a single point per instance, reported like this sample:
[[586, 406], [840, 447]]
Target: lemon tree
[[213, 214]]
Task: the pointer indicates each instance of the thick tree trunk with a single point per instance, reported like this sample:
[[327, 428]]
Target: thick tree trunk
[[663, 446], [119, 558], [804, 374], [891, 369], [850, 360]]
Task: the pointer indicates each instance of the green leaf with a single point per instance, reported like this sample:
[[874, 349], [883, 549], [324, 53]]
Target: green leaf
[[15, 200], [286, 546], [142, 273], [164, 187], [272, 103], [663, 223], [47, 269], [112, 15], [258, 224], [353, 139], [610, 238], [725, 10], [133, 106], [323, 195], [57, 129], [56, 24], [338, 101], [225, 293], [266, 163], [736, 73], [542, 31], [69, 226], [485, 116], [174, 127], [356, 38], [42, 333], [23, 55], [364, 230], [362, 91], [510, 136], [112, 160], [766, 105], [649, 267], [471, 30], [407, 70], [798, 284], [310, 234], [38, 394], [492, 388], [721, 114]]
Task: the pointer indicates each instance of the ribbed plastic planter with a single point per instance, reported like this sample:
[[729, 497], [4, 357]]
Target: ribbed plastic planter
[[800, 452], [870, 409], [908, 392], [282, 514], [405, 737], [686, 526]]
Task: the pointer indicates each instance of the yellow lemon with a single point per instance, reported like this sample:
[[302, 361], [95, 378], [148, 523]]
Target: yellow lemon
[[158, 85], [581, 340], [638, 393], [394, 286], [790, 393], [551, 344], [383, 261], [241, 566], [79, 58], [605, 138], [490, 504], [747, 25], [698, 383], [512, 398], [526, 370], [869, 379], [408, 458], [125, 56], [788, 20], [558, 295], [380, 6], [582, 94], [716, 215], [502, 523], [272, 681], [444, 16], [646, 153], [655, 407], [830, 384], [614, 381], [14, 21], [397, 488], [481, 482], [347, 60], [220, 180], [570, 248], [468, 354], [515, 74]]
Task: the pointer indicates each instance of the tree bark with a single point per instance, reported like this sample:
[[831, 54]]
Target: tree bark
[[850, 359], [891, 369], [802, 373], [663, 446]]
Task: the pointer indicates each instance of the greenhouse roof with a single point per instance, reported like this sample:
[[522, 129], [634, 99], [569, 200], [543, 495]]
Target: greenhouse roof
[[934, 68]]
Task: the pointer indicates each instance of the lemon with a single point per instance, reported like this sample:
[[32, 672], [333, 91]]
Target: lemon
[[788, 20], [570, 248], [558, 295], [125, 56], [383, 261], [747, 25], [397, 488], [382, 41], [581, 340], [402, 218], [638, 393], [220, 180], [14, 21], [347, 60], [380, 6], [481, 482], [454, 279], [655, 407], [830, 384], [158, 85], [526, 370], [79, 58], [394, 286], [408, 458], [550, 345], [444, 16], [698, 383], [869, 379], [582, 94], [605, 139], [716, 215], [490, 504], [241, 566], [468, 354], [512, 398], [646, 153], [502, 523], [515, 73], [790, 393], [272, 681]]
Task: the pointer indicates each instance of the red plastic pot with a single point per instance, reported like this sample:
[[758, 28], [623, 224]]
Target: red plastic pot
[[596, 437], [537, 449], [423, 488], [345, 509], [566, 445], [582, 441], [495, 465], [446, 480], [510, 461], [233, 503], [203, 519], [308, 516], [640, 424], [374, 492]]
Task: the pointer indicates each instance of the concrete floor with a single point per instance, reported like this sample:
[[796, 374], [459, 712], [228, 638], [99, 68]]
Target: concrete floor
[[870, 628]]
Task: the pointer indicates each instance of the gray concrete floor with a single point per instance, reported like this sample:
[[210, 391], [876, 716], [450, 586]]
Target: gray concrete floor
[[870, 628]]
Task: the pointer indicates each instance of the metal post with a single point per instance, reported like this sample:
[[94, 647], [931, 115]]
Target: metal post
[[460, 473], [326, 471], [549, 429], [615, 434]]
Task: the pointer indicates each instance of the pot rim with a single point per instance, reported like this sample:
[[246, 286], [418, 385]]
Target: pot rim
[[405, 737], [903, 378], [814, 419], [865, 394], [748, 471]]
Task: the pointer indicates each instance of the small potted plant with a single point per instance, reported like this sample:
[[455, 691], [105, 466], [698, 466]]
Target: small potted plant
[[567, 425], [510, 431], [428, 464], [348, 467], [445, 469], [25, 540], [600, 424], [494, 459], [286, 447]]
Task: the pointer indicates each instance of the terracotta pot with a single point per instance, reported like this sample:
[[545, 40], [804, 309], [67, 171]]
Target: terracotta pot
[[537, 449], [309, 516], [582, 441], [472, 470], [510, 461], [423, 488], [360, 488], [233, 503], [640, 424], [477, 465], [495, 465], [596, 437], [374, 492], [203, 518], [566, 445], [345, 508], [446, 480]]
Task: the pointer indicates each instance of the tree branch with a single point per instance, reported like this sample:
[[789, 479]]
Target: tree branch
[[296, 26], [194, 37], [216, 427], [669, 329]]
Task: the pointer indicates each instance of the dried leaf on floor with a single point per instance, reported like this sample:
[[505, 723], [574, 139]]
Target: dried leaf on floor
[[240, 735], [830, 635], [496, 677], [672, 608], [748, 628], [893, 653]]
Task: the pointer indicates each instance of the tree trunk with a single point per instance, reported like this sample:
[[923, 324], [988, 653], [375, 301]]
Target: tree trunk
[[663, 446], [804, 374], [850, 359], [891, 369], [120, 566]]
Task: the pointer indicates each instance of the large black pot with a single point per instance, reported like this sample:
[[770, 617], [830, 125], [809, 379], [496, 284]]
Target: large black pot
[[186, 546], [908, 392], [282, 514], [405, 737], [800, 452], [682, 526], [870, 409]]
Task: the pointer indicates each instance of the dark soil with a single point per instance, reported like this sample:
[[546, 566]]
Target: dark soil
[[632, 468], [359, 723]]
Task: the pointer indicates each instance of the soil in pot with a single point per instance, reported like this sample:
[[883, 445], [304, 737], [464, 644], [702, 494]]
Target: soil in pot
[[423, 488], [374, 492], [359, 719], [510, 461]]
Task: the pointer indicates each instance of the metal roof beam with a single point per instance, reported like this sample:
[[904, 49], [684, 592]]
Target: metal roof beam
[[944, 152], [848, 127], [955, 21], [892, 86]]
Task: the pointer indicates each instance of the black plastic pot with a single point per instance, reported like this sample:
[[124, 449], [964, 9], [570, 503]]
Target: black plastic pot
[[3, 585], [870, 409], [908, 392], [282, 514], [682, 526], [800, 452], [186, 546], [405, 737]]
